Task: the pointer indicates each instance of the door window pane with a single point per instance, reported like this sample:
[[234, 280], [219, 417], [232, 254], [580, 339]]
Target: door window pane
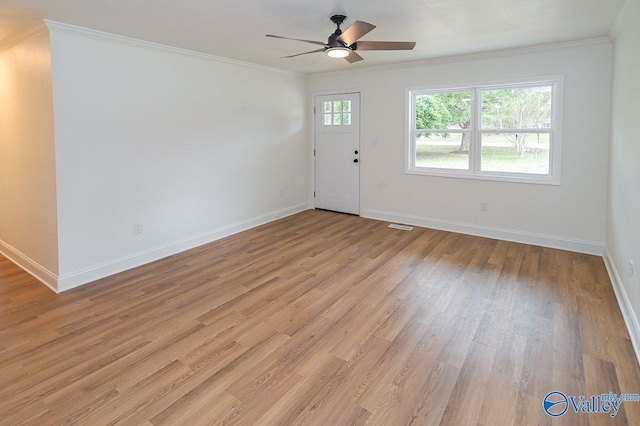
[[336, 113]]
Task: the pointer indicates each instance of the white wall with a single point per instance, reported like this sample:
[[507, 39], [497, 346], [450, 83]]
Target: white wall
[[28, 230], [570, 216], [191, 147], [623, 205], [194, 148]]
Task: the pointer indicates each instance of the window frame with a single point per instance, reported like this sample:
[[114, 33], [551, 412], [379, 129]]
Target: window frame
[[474, 172]]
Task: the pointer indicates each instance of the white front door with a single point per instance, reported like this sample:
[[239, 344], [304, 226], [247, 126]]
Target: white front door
[[338, 152]]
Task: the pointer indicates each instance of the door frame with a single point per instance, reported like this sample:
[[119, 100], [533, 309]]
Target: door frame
[[315, 94]]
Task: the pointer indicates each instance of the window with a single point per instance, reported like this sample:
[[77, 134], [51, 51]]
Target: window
[[336, 113], [508, 131]]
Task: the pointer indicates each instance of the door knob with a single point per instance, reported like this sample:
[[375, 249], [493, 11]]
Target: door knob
[[355, 152], [355, 160]]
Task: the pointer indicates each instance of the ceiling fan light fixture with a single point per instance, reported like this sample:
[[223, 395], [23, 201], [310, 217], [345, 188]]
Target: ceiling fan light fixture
[[338, 52]]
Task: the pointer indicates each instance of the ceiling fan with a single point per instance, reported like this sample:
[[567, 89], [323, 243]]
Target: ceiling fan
[[345, 44]]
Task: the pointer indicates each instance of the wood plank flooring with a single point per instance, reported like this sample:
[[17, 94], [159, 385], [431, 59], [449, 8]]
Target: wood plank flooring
[[319, 318]]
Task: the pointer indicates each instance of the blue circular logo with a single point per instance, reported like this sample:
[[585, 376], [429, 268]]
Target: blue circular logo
[[555, 404]]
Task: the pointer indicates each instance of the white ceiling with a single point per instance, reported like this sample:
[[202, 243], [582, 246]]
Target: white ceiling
[[236, 28]]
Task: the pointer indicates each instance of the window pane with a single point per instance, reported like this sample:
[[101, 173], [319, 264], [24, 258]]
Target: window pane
[[326, 106], [346, 106], [515, 152], [346, 119], [443, 111], [327, 119], [443, 150], [519, 108], [337, 106], [337, 119]]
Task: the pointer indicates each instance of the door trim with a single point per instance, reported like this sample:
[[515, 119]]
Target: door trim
[[362, 155]]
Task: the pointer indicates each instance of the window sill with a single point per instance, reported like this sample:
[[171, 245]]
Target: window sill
[[496, 177]]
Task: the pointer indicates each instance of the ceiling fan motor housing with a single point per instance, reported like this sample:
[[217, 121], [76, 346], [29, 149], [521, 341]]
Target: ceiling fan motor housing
[[333, 38], [338, 19]]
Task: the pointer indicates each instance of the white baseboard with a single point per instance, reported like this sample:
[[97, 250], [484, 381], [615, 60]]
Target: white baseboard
[[629, 315], [78, 278], [580, 246], [38, 271]]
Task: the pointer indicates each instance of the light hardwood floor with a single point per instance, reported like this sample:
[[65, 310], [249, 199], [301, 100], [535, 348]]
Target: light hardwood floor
[[319, 318]]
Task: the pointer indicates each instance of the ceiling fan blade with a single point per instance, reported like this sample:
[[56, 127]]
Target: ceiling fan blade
[[355, 31], [384, 45], [319, 43], [353, 57], [305, 53]]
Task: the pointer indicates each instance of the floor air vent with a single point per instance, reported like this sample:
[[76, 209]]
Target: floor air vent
[[403, 227]]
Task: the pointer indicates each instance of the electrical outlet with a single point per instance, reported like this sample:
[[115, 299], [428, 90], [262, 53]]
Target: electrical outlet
[[630, 268], [483, 206], [137, 228], [281, 193]]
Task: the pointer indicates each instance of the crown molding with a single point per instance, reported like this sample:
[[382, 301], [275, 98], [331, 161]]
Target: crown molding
[[23, 35], [622, 18], [472, 56], [61, 27]]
